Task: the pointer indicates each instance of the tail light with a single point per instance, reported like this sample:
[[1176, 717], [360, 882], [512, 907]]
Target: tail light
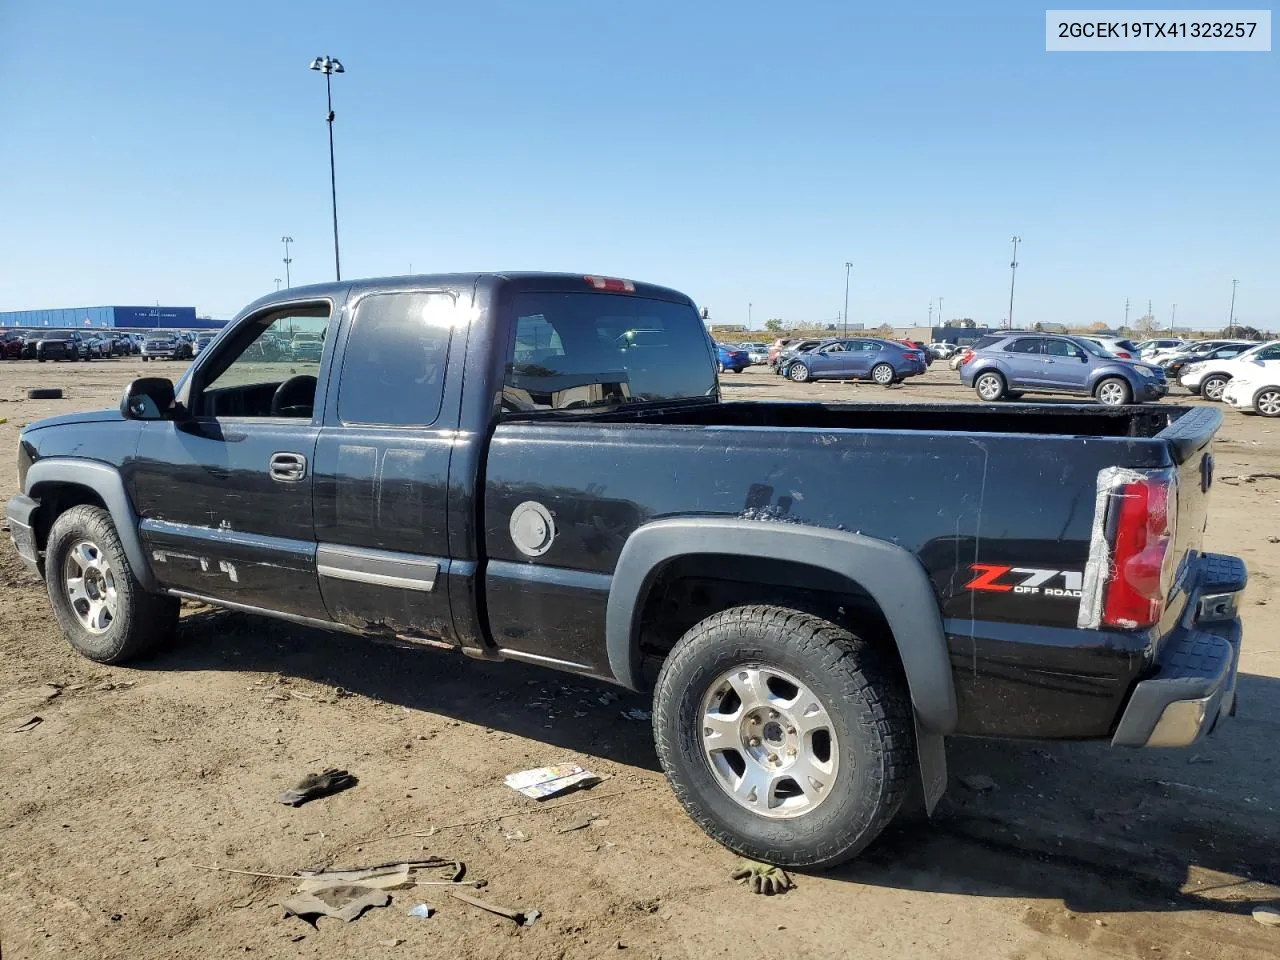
[[612, 284], [1123, 355], [1132, 561], [966, 356]]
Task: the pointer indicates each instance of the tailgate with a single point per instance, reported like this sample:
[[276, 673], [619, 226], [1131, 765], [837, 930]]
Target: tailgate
[[1189, 439]]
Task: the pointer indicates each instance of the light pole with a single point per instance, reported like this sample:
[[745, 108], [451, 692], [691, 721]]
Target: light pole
[[1231, 314], [1173, 317], [847, 267], [941, 320], [931, 314], [748, 315], [277, 284], [288, 281], [329, 66], [1013, 275], [1126, 312]]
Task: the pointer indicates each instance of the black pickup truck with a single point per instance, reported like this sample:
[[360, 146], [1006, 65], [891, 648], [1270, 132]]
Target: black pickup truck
[[539, 467]]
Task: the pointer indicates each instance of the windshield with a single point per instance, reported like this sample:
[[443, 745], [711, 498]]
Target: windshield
[[578, 350]]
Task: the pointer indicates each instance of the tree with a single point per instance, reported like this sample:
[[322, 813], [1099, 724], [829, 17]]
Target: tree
[[1240, 332], [1146, 325], [774, 325], [1098, 326], [884, 328]]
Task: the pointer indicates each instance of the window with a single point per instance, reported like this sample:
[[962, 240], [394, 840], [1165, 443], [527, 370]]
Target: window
[[394, 368], [1061, 348], [1222, 353], [269, 367], [838, 347], [575, 350], [983, 342], [1025, 345], [1269, 353]]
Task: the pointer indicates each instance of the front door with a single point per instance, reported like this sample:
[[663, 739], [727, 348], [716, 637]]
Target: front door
[[826, 360], [1067, 366], [382, 467], [224, 495]]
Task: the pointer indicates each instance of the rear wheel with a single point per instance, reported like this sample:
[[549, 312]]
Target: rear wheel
[[1113, 392], [785, 737], [989, 386], [1211, 387], [882, 373], [103, 610], [1267, 402], [723, 368], [798, 372]]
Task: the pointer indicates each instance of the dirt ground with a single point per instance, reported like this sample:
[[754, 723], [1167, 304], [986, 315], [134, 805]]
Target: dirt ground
[[138, 780]]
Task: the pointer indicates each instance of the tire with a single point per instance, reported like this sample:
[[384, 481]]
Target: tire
[[145, 359], [883, 374], [40, 359], [1211, 387], [990, 386], [798, 373], [45, 393], [1113, 392], [723, 368], [1010, 395], [1267, 402], [135, 624], [862, 705]]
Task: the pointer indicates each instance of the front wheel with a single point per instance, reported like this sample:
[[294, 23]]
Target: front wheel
[[785, 737], [1267, 402], [882, 373], [989, 386], [798, 372], [1211, 387], [102, 608], [1113, 392]]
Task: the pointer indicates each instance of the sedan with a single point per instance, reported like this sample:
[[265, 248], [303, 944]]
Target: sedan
[[1255, 393], [732, 358], [881, 361]]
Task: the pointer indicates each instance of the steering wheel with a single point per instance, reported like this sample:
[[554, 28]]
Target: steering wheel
[[295, 397]]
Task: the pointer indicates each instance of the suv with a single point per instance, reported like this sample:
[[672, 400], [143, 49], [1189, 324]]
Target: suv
[[1209, 377], [56, 345], [1010, 364]]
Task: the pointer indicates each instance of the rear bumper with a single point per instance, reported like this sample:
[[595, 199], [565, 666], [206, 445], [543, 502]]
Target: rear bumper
[[19, 512], [1194, 685]]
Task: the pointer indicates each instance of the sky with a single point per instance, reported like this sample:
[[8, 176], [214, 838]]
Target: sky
[[153, 151]]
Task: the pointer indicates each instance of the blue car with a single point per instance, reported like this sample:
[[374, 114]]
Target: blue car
[[1010, 364], [862, 358], [731, 358]]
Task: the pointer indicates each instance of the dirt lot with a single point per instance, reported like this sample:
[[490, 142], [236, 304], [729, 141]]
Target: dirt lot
[[138, 775]]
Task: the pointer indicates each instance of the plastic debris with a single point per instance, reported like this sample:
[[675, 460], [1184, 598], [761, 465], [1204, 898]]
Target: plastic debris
[[524, 918], [316, 785], [1267, 916], [393, 942], [516, 836], [423, 911], [29, 724], [543, 782], [383, 876], [635, 713], [344, 902]]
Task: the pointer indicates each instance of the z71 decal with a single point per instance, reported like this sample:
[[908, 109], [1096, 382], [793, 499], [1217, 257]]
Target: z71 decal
[[998, 578]]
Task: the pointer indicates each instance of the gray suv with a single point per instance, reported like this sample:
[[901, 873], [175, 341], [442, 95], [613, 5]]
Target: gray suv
[[1010, 364]]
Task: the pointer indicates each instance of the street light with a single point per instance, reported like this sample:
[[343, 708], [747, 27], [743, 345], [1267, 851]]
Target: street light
[[288, 282], [1013, 275], [329, 66], [847, 267], [941, 321], [1231, 314], [277, 284]]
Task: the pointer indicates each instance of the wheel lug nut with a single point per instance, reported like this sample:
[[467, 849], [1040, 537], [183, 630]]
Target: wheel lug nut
[[791, 751], [753, 742], [773, 758]]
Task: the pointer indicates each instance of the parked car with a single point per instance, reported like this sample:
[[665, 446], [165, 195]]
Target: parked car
[[58, 344], [918, 345], [11, 345], [1115, 346], [97, 348], [757, 352], [1150, 349], [793, 350], [306, 347], [166, 346], [1209, 377], [1014, 364], [885, 362], [942, 350], [732, 358], [804, 675], [1174, 364], [202, 341], [776, 348], [1255, 392]]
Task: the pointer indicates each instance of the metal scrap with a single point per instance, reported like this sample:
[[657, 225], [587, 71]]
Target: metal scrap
[[524, 918]]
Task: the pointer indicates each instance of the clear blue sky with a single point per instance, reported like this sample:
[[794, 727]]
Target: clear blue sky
[[156, 151]]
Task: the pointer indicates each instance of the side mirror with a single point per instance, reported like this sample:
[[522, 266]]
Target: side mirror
[[147, 398], [1084, 358]]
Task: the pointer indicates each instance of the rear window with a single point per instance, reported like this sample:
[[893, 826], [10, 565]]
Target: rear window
[[983, 342], [577, 350]]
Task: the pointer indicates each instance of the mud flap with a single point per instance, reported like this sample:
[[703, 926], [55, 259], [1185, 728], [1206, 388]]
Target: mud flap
[[931, 753]]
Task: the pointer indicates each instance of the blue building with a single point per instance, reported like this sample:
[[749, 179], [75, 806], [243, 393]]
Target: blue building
[[123, 318]]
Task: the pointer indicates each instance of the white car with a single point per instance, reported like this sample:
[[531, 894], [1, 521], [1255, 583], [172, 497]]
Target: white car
[[1210, 377], [1151, 349], [942, 350], [1255, 392], [1118, 348], [757, 352]]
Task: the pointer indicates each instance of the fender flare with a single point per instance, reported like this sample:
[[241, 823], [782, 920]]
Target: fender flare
[[892, 575], [106, 482]]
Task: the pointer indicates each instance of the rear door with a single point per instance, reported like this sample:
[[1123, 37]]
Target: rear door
[[382, 464], [1022, 358]]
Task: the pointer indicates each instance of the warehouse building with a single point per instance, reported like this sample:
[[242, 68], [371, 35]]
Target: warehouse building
[[118, 318]]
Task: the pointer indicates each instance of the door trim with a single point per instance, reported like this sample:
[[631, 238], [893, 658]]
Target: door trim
[[383, 568]]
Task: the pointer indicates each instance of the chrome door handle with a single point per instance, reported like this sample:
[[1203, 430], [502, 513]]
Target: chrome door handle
[[288, 467]]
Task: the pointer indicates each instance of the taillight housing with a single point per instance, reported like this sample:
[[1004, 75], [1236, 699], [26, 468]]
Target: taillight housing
[[1123, 355], [966, 356], [612, 284], [1132, 560]]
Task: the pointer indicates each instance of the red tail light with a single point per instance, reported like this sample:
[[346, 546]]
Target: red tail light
[[1132, 559], [966, 356], [611, 283], [1124, 356]]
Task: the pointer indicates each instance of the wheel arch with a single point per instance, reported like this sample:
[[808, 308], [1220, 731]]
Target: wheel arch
[[60, 483]]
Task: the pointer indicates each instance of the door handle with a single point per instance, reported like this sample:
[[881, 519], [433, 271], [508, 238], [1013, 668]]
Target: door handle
[[288, 467]]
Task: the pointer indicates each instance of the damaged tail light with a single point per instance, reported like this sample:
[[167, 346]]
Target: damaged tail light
[[1132, 561], [966, 356]]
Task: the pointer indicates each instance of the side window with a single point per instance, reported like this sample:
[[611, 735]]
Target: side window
[[1225, 352], [1024, 345], [1060, 348], [537, 341], [835, 348], [269, 367], [394, 368], [1270, 353]]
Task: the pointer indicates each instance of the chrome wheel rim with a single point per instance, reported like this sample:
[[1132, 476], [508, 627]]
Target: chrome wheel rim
[[882, 375], [769, 741], [1213, 389], [90, 584], [799, 373], [988, 388], [1269, 403], [1112, 394]]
